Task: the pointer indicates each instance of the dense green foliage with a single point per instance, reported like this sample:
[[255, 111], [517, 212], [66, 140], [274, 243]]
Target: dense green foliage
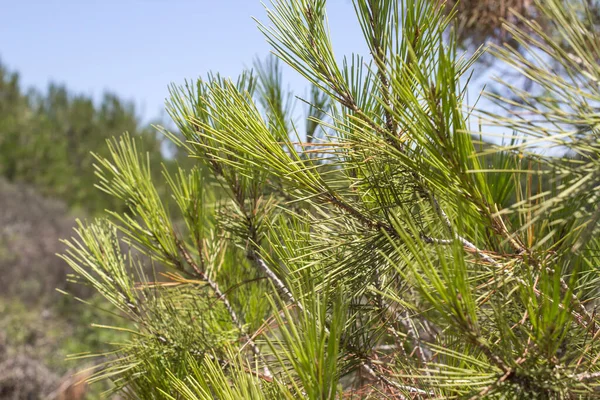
[[47, 138], [381, 254]]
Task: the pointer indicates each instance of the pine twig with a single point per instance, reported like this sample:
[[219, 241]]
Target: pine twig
[[223, 298]]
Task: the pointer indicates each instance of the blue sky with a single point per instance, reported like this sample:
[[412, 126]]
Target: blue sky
[[137, 47]]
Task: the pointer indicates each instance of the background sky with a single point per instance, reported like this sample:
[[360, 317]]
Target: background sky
[[136, 48]]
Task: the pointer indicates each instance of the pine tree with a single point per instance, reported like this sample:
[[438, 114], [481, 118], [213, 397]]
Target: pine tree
[[383, 253], [46, 139]]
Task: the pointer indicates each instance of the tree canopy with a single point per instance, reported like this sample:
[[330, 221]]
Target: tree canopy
[[47, 139]]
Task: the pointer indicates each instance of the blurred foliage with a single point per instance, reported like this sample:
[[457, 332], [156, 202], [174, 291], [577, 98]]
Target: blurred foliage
[[46, 178], [46, 139], [29, 227], [46, 338], [480, 21]]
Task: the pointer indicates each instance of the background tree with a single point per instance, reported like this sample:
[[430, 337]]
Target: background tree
[[47, 138], [384, 257], [481, 23], [46, 179]]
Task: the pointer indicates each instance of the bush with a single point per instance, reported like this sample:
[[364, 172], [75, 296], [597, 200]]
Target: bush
[[30, 226]]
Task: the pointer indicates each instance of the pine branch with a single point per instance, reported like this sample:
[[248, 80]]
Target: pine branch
[[254, 257], [223, 299], [364, 362], [368, 366]]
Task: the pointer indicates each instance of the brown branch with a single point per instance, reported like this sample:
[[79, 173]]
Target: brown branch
[[223, 298], [587, 376]]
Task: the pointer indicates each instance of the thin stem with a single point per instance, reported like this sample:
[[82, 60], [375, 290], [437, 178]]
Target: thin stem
[[223, 298]]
